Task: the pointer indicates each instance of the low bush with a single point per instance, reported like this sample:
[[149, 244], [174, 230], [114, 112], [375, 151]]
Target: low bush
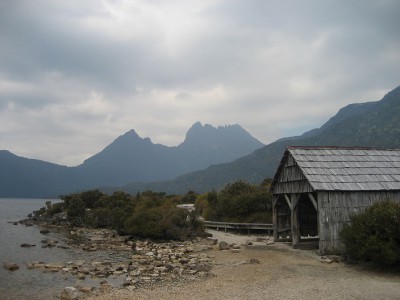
[[146, 215], [164, 222], [237, 202], [374, 235], [55, 208], [76, 211]]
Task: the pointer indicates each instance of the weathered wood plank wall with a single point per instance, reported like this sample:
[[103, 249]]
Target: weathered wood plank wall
[[291, 179], [335, 209]]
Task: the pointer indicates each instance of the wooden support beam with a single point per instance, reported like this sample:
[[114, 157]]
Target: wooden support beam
[[274, 200], [295, 224], [314, 202], [294, 217], [275, 217], [289, 202], [295, 200]]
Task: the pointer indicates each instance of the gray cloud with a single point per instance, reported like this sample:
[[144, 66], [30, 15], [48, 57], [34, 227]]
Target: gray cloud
[[89, 71]]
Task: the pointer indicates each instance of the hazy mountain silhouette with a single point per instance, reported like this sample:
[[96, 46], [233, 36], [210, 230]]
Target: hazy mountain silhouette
[[220, 156], [129, 158], [132, 158], [22, 177], [371, 124]]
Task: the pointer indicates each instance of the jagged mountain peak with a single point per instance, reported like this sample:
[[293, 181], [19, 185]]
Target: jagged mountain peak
[[130, 139], [131, 133], [130, 157], [198, 128], [198, 133]]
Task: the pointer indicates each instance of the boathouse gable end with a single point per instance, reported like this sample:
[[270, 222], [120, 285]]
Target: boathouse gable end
[[290, 178]]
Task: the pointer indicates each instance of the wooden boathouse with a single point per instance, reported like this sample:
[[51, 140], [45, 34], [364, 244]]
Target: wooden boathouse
[[316, 189]]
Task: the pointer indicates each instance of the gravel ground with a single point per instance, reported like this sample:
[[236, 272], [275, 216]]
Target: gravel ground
[[282, 273]]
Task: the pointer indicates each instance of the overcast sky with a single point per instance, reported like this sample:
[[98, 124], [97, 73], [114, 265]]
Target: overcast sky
[[76, 74]]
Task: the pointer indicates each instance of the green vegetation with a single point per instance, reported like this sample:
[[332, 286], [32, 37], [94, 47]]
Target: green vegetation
[[374, 235], [156, 215], [146, 215], [237, 202]]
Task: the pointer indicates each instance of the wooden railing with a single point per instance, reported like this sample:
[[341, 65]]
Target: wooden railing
[[268, 228]]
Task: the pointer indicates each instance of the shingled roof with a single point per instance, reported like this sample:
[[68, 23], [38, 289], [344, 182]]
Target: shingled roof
[[349, 169]]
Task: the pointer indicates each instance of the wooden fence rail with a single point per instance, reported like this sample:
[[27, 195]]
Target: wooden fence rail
[[268, 228]]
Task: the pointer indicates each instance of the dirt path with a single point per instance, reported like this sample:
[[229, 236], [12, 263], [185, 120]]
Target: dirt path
[[280, 274]]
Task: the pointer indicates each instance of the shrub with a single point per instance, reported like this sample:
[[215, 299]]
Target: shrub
[[55, 208], [239, 202], [374, 235], [163, 222], [147, 215], [202, 206], [146, 223], [91, 197], [76, 211], [99, 217]]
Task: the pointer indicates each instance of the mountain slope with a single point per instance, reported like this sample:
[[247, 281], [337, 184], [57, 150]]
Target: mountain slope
[[371, 124], [129, 158], [207, 145], [132, 158], [23, 177]]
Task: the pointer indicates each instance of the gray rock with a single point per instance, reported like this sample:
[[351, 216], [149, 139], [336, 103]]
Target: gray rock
[[326, 260], [336, 258], [86, 289], [10, 266], [254, 261], [69, 293], [63, 247], [104, 288], [26, 245], [223, 245]]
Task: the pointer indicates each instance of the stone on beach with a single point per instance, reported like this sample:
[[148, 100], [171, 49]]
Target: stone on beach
[[10, 266], [223, 245], [69, 293], [26, 245]]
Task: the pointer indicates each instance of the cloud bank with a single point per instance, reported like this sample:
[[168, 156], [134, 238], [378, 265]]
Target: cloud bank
[[76, 74]]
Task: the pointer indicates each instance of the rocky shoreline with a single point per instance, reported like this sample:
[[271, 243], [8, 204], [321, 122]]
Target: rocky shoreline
[[124, 263]]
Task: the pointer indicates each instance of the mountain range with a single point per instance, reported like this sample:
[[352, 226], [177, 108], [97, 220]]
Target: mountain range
[[370, 124], [127, 159], [207, 159]]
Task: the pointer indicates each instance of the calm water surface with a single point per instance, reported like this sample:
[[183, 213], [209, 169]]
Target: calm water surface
[[33, 284]]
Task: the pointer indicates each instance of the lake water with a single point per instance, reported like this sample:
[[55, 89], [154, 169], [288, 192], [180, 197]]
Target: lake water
[[33, 284]]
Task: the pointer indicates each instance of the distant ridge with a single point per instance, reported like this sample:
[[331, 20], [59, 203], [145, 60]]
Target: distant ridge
[[128, 158], [132, 158], [371, 124], [28, 178], [207, 159]]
